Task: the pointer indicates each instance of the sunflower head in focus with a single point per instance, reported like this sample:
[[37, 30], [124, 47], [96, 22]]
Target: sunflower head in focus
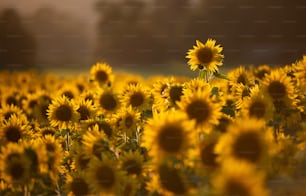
[[62, 113], [101, 73], [205, 56]]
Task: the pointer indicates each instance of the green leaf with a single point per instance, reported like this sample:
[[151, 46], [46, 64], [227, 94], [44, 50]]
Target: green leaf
[[220, 75]]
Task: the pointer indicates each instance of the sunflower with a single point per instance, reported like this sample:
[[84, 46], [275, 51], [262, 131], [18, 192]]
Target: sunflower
[[10, 97], [69, 90], [246, 140], [224, 121], [201, 108], [96, 144], [168, 180], [14, 166], [241, 92], [239, 178], [29, 104], [77, 185], [257, 105], [194, 85], [205, 56], [105, 177], [106, 101], [101, 73], [158, 92], [105, 125], [173, 93], [168, 134], [7, 111], [240, 75], [132, 163], [137, 96], [261, 71], [278, 85], [14, 130], [62, 113], [127, 120], [85, 109]]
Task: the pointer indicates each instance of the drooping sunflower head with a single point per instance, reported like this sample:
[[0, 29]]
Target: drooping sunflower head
[[205, 56], [200, 108], [168, 134], [101, 73], [62, 112], [246, 140], [239, 178]]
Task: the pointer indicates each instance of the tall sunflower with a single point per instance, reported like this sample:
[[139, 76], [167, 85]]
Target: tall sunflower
[[62, 113], [168, 134], [101, 73], [106, 101], [205, 56]]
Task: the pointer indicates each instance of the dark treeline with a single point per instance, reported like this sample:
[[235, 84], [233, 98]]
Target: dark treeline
[[251, 32]]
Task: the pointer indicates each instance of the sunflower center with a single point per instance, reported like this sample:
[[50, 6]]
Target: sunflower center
[[11, 101], [107, 129], [261, 74], [13, 134], [223, 123], [236, 188], [79, 187], [205, 55], [33, 103], [136, 99], [101, 76], [105, 177], [128, 121], [108, 102], [84, 112], [50, 147], [257, 109], [277, 90], [175, 93], [208, 157], [83, 161], [242, 79], [170, 138], [16, 170], [132, 167], [248, 146], [43, 110], [68, 94], [198, 110], [170, 180], [63, 113]]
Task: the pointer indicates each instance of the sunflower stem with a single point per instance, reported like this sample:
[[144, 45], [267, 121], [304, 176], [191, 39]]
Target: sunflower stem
[[67, 141]]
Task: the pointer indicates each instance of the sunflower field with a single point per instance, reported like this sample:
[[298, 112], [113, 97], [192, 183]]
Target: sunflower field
[[242, 133]]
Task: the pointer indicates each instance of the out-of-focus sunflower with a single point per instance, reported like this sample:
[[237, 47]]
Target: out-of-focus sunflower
[[205, 56], [106, 126], [158, 93], [168, 134], [257, 105], [77, 185], [14, 166], [224, 121], [239, 178], [106, 101], [173, 93], [132, 163], [247, 140], [278, 85], [101, 73], [194, 85], [29, 104], [96, 144], [85, 109], [40, 111], [130, 187], [261, 71], [7, 111], [69, 90], [62, 113], [54, 154], [105, 177], [240, 75], [168, 180], [137, 96], [10, 97], [201, 108], [14, 130], [127, 120]]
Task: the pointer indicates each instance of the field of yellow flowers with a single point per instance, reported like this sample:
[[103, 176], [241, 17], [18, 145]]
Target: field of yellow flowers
[[242, 134]]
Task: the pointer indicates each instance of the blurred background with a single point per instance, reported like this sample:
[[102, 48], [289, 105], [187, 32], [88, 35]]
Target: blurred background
[[148, 35]]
